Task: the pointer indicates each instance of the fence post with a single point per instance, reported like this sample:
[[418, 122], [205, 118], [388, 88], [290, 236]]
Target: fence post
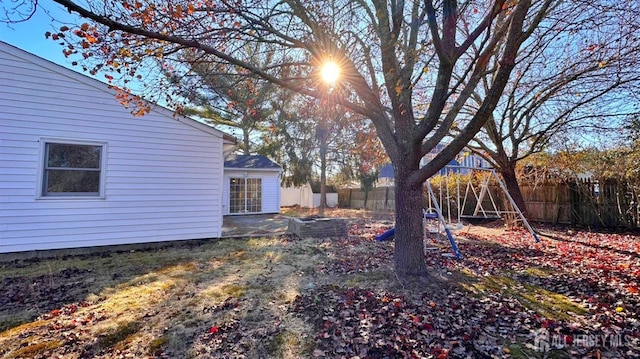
[[386, 198]]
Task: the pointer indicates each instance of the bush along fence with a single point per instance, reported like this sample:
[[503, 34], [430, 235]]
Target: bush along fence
[[589, 203]]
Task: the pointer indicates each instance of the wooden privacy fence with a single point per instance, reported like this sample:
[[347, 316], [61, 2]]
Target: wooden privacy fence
[[610, 204], [379, 198]]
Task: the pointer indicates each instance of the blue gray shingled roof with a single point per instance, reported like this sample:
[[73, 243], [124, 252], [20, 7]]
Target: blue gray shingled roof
[[250, 162], [386, 171]]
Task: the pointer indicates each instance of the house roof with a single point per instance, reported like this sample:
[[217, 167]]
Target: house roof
[[251, 162], [386, 171], [80, 77]]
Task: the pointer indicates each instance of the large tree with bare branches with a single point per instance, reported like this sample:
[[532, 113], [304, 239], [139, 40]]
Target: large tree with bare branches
[[397, 61], [575, 77]]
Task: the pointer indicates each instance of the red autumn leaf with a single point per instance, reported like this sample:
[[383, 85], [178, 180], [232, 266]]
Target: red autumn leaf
[[428, 327], [568, 339]]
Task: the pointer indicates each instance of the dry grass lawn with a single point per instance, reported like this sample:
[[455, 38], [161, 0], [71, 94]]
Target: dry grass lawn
[[283, 297], [198, 299]]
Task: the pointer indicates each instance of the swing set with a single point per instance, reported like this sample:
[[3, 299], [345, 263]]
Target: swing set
[[485, 209]]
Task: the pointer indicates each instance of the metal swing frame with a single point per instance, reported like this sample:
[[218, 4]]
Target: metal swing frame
[[484, 191]]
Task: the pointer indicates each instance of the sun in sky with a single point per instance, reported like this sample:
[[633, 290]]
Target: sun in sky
[[330, 72]]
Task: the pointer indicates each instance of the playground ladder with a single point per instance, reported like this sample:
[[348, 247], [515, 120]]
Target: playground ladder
[[440, 218]]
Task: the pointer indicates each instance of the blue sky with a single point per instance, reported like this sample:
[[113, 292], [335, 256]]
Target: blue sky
[[29, 35]]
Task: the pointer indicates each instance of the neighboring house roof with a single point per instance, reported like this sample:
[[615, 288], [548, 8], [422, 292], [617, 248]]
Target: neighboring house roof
[[51, 66], [253, 162], [386, 171]]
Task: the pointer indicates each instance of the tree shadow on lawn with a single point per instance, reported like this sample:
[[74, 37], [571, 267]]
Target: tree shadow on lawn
[[216, 299], [593, 245], [234, 298], [552, 270], [35, 286]]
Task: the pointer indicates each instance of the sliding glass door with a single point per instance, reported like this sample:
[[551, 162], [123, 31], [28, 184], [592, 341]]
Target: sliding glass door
[[245, 195]]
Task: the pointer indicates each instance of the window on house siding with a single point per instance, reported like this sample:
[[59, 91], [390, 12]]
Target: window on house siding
[[72, 169]]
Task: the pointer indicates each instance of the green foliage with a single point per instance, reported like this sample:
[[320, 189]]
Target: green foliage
[[289, 140], [157, 344], [34, 350], [227, 95], [368, 180], [120, 334], [620, 163]]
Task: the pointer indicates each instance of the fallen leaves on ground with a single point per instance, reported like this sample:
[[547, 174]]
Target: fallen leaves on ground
[[573, 294]]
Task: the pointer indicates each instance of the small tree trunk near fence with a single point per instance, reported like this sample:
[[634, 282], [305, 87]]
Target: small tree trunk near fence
[[386, 198], [366, 197], [574, 199], [510, 179], [323, 177]]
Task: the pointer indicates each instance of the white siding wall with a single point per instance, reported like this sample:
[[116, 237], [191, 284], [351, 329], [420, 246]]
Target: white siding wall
[[163, 177], [271, 192], [270, 188]]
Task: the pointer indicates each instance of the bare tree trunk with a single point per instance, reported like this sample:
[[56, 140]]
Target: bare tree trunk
[[246, 142], [409, 258], [508, 174]]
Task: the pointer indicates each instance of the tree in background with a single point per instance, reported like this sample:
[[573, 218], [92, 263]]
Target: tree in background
[[289, 138], [364, 156], [398, 61], [226, 95], [307, 135], [577, 75]]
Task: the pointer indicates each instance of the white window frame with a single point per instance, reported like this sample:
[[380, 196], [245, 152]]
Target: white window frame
[[245, 204], [42, 162]]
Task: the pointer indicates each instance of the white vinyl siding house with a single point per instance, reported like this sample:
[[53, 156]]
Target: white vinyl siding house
[[252, 185], [78, 170]]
